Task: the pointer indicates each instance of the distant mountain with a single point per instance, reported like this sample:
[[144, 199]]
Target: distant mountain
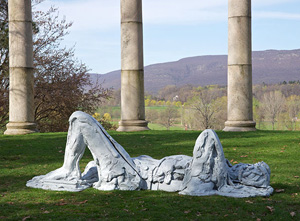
[[271, 66]]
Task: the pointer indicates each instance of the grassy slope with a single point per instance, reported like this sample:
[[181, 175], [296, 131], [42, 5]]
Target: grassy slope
[[22, 157]]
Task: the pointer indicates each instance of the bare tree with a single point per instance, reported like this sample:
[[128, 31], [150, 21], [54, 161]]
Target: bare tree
[[206, 108], [272, 104], [168, 116], [151, 115], [293, 107], [258, 112], [220, 105]]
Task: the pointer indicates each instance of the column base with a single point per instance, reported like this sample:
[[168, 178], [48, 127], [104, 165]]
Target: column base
[[133, 125], [20, 128], [236, 126]]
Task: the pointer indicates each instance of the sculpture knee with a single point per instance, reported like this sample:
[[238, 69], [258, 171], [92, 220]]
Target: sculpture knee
[[82, 117]]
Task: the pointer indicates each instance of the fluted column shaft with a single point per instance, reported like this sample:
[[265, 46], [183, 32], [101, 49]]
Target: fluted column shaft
[[132, 67], [240, 114], [21, 103]]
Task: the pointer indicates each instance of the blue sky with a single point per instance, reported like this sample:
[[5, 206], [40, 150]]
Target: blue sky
[[173, 29]]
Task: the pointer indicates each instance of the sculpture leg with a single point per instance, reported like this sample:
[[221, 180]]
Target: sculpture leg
[[74, 151], [75, 148], [115, 167], [68, 177]]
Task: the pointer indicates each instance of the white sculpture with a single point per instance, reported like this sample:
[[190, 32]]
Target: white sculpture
[[206, 173]]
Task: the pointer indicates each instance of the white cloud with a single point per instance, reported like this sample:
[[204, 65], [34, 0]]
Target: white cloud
[[184, 12], [276, 15], [101, 15], [105, 14], [264, 3], [88, 14]]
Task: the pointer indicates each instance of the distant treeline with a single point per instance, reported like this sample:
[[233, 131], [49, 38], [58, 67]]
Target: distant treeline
[[275, 106]]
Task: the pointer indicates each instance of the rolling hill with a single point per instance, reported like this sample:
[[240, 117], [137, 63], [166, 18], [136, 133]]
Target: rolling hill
[[271, 66]]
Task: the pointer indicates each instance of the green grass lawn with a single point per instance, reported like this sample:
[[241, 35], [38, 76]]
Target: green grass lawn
[[22, 157]]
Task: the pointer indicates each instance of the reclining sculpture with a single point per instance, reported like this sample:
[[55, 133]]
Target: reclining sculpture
[[206, 173]]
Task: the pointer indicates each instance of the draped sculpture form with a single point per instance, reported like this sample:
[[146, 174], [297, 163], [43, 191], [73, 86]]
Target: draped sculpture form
[[206, 173]]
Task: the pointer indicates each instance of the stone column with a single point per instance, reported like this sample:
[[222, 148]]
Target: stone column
[[132, 68], [21, 104], [240, 113]]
